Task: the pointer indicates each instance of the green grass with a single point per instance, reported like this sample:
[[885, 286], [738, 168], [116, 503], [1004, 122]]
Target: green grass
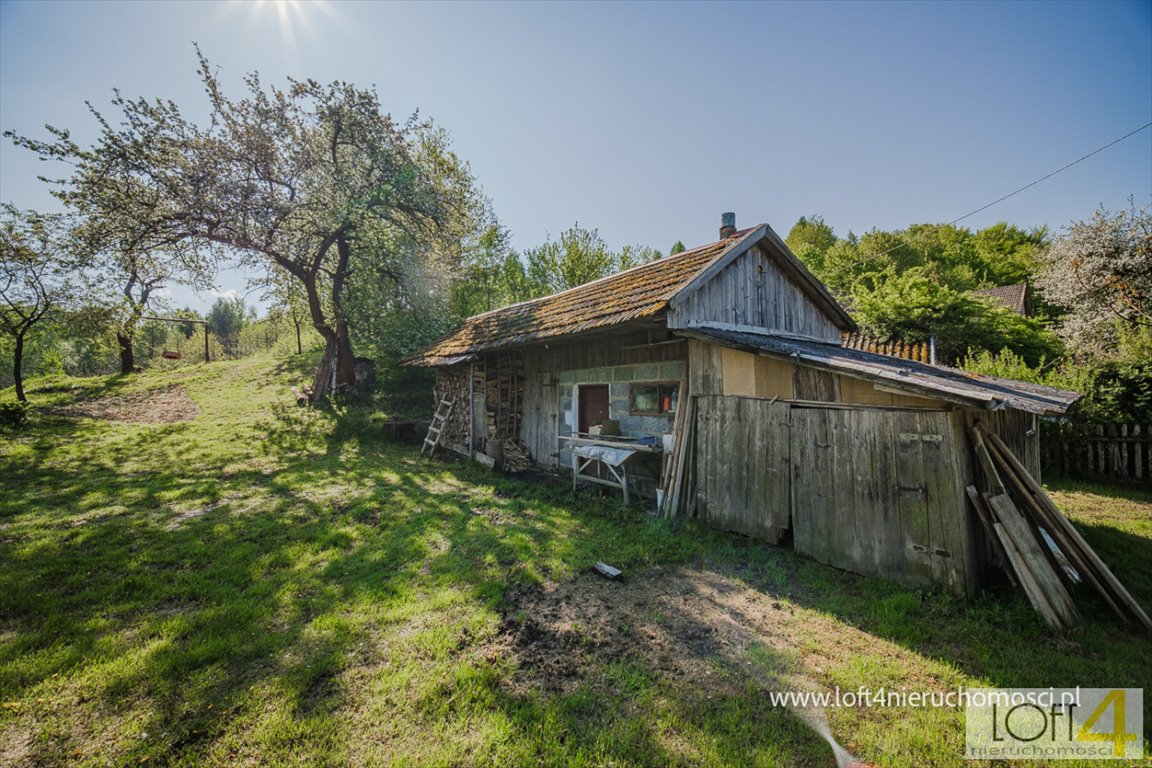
[[271, 585]]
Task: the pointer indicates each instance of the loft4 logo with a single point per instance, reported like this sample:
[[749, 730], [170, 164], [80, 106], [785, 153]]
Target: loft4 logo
[[1054, 723], [1114, 703]]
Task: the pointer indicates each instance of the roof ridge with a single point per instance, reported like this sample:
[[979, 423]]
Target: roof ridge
[[662, 260]]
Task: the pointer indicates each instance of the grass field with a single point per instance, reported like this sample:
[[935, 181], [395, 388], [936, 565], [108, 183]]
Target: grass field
[[270, 585]]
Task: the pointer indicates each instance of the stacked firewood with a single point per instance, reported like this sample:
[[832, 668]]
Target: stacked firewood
[[504, 395], [452, 384], [516, 456], [1041, 550]]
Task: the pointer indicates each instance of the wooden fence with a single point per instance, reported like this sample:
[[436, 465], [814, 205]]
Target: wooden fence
[[1112, 452]]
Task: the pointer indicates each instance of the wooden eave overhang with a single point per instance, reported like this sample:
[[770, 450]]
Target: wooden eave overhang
[[915, 378]]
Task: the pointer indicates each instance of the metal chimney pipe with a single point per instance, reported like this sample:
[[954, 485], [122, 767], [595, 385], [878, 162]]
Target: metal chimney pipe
[[727, 225]]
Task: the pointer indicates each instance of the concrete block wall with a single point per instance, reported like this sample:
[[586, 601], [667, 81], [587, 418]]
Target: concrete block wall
[[618, 378]]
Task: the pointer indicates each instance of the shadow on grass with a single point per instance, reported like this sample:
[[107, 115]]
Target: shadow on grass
[[342, 582], [197, 594]]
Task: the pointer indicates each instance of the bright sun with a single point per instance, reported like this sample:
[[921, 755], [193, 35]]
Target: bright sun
[[291, 15]]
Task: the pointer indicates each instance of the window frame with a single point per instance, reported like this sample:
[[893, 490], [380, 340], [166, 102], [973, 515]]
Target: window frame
[[662, 386]]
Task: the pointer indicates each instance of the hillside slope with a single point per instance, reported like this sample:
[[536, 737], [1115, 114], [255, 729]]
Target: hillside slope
[[195, 571]]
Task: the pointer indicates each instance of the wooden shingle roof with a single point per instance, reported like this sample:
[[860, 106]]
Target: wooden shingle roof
[[635, 293], [1013, 297]]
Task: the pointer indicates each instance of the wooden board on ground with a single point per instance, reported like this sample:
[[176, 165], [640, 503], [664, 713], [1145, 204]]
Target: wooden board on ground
[[1034, 558]]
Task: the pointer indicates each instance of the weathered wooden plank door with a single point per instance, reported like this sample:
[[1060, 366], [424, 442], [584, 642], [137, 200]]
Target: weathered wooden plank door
[[876, 492], [538, 428], [593, 405], [742, 458]]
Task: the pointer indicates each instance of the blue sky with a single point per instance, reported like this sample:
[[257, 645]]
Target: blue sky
[[647, 120]]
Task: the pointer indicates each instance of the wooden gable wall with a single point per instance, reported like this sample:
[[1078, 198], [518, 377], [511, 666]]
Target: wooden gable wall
[[753, 293]]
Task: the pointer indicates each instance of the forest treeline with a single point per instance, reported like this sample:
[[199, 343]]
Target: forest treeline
[[370, 237]]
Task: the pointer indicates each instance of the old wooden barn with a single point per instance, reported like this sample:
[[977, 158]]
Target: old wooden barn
[[860, 460]]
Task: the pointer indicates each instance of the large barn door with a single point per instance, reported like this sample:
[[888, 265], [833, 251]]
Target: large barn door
[[875, 492], [742, 459]]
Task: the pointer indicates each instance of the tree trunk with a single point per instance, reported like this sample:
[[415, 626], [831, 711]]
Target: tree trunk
[[127, 361], [323, 379], [337, 344], [345, 356], [18, 368], [296, 322]]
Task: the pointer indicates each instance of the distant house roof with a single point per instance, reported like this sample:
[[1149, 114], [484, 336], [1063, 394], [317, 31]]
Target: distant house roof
[[909, 350], [633, 294], [1013, 297], [937, 381]]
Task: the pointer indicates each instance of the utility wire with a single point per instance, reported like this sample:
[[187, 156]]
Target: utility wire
[[1034, 183], [1058, 170]]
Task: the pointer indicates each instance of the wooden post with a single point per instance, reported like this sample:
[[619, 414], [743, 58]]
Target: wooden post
[[206, 342]]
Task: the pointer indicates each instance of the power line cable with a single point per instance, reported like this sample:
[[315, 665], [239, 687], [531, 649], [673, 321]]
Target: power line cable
[[1058, 170], [1037, 181]]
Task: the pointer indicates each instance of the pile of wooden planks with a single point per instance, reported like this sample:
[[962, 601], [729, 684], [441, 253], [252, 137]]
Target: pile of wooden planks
[[1037, 543], [675, 479]]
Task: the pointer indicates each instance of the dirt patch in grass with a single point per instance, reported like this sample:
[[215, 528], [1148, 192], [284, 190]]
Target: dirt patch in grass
[[692, 627], [154, 406]]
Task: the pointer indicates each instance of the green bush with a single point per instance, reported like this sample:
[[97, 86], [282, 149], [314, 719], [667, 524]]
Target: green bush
[[13, 415], [1114, 392]]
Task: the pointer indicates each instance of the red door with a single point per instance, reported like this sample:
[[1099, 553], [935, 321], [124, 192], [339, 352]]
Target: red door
[[593, 406]]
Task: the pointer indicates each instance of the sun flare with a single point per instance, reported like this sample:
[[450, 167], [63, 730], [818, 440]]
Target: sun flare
[[291, 16]]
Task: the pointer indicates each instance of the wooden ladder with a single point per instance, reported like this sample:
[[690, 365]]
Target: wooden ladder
[[432, 440]]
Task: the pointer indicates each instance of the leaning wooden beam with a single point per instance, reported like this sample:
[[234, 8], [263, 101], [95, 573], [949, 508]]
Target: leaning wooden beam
[[1063, 524], [1012, 472], [1028, 547], [687, 432], [985, 517], [669, 465], [1032, 589], [995, 485]]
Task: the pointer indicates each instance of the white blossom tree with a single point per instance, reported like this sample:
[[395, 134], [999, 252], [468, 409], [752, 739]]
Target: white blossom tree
[[1100, 271]]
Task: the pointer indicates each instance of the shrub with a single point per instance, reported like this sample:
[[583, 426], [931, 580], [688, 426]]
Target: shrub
[[13, 415]]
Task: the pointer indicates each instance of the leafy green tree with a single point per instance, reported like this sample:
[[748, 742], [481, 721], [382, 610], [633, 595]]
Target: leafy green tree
[[314, 179], [998, 255], [578, 257], [492, 275], [1114, 391], [914, 306], [1009, 254], [810, 239], [288, 300], [33, 278], [187, 330], [677, 247], [127, 278], [226, 319], [635, 255]]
